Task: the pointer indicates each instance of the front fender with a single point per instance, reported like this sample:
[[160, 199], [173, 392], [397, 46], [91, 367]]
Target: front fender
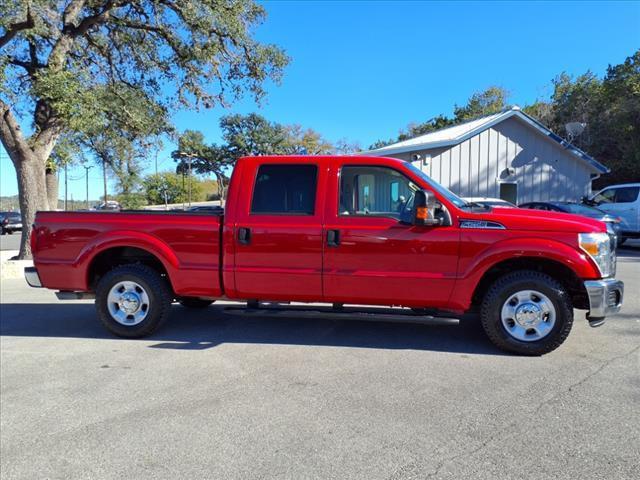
[[519, 248]]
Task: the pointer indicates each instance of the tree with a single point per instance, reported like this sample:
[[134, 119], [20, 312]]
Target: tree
[[489, 101], [305, 141], [55, 58], [168, 187], [253, 135], [492, 100], [344, 146], [417, 129], [204, 158], [610, 109]]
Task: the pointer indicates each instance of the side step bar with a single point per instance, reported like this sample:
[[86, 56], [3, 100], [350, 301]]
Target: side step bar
[[331, 312], [64, 295]]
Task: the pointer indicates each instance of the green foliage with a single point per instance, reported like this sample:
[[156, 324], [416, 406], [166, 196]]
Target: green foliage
[[131, 200], [489, 101], [168, 187], [610, 108], [492, 100], [417, 129], [245, 135], [196, 53]]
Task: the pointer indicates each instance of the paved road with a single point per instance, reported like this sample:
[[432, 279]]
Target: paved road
[[10, 242], [223, 394]]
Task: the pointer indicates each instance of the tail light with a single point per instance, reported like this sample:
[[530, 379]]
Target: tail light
[[33, 241]]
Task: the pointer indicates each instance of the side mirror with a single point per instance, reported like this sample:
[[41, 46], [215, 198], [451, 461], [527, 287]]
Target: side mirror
[[424, 208]]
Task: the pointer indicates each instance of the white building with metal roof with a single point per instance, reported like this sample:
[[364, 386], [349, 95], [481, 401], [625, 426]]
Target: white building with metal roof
[[509, 155]]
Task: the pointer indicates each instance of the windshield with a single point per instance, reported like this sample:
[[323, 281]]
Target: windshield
[[448, 194]]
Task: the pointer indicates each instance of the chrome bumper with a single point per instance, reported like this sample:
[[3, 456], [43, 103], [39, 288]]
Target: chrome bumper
[[605, 298], [31, 276]]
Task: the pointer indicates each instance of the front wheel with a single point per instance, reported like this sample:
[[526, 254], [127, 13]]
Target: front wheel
[[133, 300], [527, 312]]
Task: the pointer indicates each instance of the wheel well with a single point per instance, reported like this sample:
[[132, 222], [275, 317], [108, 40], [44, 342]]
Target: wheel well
[[558, 271], [114, 257]]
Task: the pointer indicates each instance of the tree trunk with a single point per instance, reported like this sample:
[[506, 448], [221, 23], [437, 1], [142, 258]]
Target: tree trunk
[[32, 189], [51, 180]]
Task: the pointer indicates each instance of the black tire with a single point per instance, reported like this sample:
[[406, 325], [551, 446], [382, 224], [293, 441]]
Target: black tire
[[3, 232], [191, 302], [507, 286], [156, 287]]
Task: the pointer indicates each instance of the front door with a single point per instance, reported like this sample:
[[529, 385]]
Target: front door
[[371, 257], [278, 235]]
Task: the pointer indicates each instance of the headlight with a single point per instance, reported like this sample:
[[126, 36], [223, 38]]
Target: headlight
[[598, 246]]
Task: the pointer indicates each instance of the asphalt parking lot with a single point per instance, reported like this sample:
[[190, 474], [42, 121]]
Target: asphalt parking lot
[[224, 394]]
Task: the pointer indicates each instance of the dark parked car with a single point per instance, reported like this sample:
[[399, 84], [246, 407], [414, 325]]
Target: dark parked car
[[10, 222], [613, 222]]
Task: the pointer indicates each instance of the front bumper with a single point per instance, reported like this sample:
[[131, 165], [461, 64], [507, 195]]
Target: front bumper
[[605, 298], [32, 277]]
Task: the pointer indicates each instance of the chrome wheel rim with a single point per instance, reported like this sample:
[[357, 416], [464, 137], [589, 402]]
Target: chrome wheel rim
[[128, 303], [528, 315]]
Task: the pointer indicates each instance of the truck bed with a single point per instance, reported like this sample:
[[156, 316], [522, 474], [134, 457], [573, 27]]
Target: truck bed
[[72, 246]]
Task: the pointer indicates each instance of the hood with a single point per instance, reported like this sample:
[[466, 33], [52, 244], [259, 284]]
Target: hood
[[538, 220]]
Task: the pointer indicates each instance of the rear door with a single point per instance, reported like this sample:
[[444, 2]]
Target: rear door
[[278, 233]]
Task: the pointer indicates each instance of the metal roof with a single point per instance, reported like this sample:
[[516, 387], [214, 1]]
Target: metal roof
[[459, 133]]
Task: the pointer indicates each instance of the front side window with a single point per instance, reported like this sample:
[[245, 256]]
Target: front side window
[[377, 191], [606, 196], [285, 190]]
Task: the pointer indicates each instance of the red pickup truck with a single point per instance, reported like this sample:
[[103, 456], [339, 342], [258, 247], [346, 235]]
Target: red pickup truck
[[338, 230]]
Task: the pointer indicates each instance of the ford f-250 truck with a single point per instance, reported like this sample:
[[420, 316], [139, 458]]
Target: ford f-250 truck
[[338, 230]]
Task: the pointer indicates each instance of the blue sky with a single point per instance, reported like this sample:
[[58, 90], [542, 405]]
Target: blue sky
[[364, 70]]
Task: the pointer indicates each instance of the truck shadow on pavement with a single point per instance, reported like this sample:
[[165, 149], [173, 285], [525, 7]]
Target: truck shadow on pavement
[[216, 325]]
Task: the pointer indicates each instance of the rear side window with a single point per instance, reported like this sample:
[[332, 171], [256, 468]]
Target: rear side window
[[285, 190], [627, 194]]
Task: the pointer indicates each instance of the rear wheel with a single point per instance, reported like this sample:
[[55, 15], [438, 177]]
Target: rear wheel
[[191, 302], [133, 300], [527, 312]]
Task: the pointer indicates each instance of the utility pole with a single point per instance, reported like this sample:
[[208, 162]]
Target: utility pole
[[190, 181], [87, 182], [104, 179], [189, 157], [65, 186], [156, 161]]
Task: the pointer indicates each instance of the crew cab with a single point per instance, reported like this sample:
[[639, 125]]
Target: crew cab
[[342, 230]]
